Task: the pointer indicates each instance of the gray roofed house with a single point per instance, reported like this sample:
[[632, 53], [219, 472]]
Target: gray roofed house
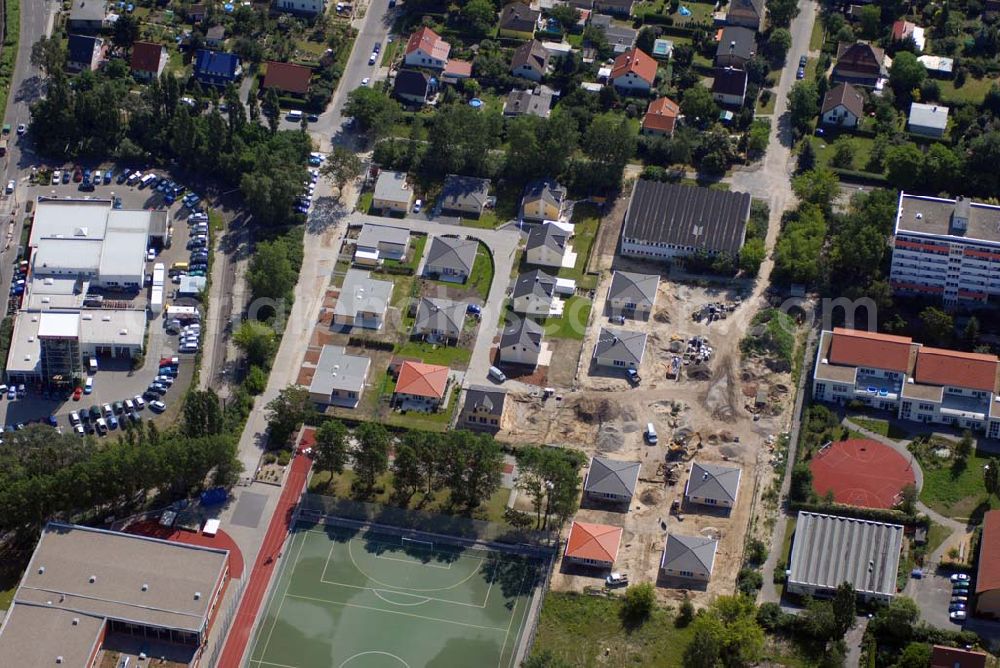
[[665, 220], [483, 409], [451, 259], [413, 86], [746, 13], [88, 15], [535, 294], [729, 85], [363, 301], [713, 485], [544, 199], [339, 378], [929, 120], [620, 348], [689, 557], [611, 480], [842, 105], [521, 342], [439, 318], [632, 295], [464, 195], [393, 193], [620, 38], [866, 555], [383, 241], [548, 246], [537, 102], [737, 45]]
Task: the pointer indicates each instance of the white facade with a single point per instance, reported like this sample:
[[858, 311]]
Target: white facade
[[538, 305], [302, 6], [840, 116], [630, 82], [545, 256], [420, 58], [519, 354]]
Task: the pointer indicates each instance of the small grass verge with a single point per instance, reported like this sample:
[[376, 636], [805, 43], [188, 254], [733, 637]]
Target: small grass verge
[[450, 356], [879, 426]]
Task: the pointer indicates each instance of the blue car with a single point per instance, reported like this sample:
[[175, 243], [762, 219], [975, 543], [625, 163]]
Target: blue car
[[52, 421], [86, 176], [108, 175], [473, 309], [112, 422]]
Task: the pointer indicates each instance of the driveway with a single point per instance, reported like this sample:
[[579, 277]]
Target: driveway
[[932, 594]]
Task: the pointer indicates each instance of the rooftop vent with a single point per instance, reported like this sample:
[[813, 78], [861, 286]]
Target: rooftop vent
[[59, 659], [41, 569], [145, 587], [93, 579], [76, 621], [197, 596]]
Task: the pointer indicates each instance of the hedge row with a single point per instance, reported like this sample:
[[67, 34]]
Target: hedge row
[[370, 344], [858, 176], [873, 514]]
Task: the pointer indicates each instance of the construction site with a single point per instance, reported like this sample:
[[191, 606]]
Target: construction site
[[706, 402]]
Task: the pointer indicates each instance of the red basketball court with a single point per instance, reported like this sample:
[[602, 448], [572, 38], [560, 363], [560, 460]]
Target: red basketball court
[[861, 472]]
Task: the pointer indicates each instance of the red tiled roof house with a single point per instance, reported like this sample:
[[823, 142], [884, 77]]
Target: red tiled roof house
[[419, 385], [425, 48], [661, 117], [988, 575], [148, 60], [593, 544], [633, 72]]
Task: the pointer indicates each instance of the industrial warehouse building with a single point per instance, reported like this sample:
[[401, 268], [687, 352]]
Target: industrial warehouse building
[[830, 550], [80, 250], [86, 588]]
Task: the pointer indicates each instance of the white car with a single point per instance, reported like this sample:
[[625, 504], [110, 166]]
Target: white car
[[157, 406], [960, 577], [957, 616], [372, 58], [419, 204], [11, 185], [56, 177], [140, 403], [78, 429], [74, 418], [366, 81], [88, 385]]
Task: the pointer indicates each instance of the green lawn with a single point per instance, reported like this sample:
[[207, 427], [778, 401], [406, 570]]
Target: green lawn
[[365, 202], [427, 421], [492, 510], [389, 52], [816, 37], [487, 221], [450, 356], [952, 489], [586, 220], [573, 323], [586, 632], [417, 252], [879, 426], [786, 548], [768, 108], [935, 536], [482, 272], [402, 289], [825, 146], [973, 91]]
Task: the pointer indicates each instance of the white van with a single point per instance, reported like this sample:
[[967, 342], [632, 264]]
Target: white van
[[92, 365], [497, 375], [147, 179], [294, 116], [132, 180], [651, 437]]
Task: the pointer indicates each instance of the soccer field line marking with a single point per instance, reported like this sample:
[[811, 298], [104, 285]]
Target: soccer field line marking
[[397, 612], [281, 602], [379, 652], [354, 561], [390, 590], [423, 599], [261, 662], [513, 613], [413, 562]]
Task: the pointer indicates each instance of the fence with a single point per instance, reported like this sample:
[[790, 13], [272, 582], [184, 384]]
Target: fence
[[445, 528], [221, 628]]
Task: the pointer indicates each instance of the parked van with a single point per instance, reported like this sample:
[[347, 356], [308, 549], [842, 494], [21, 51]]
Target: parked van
[[147, 179], [92, 365], [294, 115], [134, 179], [651, 437], [497, 375]]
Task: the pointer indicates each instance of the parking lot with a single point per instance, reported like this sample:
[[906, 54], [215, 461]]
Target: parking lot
[[115, 380], [932, 594]]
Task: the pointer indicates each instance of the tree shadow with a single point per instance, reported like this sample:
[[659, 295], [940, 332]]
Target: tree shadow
[[514, 575], [958, 467], [977, 513]]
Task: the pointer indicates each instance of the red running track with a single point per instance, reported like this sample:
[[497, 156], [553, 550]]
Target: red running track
[[239, 635]]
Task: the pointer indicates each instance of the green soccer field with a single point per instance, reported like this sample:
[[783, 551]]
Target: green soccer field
[[347, 599]]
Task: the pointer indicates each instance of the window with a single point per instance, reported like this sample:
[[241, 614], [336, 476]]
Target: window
[[687, 574], [711, 502]]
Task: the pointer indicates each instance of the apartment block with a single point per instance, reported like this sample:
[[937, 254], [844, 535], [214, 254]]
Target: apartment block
[[917, 382], [948, 249]]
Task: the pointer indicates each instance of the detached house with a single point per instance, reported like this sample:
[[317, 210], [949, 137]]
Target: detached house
[[148, 60], [611, 480], [464, 195], [217, 68], [843, 106], [421, 386], [712, 485], [413, 87], [393, 193], [215, 37], [439, 319], [632, 295], [519, 21], [737, 45], [301, 6], [84, 53], [381, 242], [288, 78], [619, 348], [483, 409], [593, 545], [451, 259], [904, 30], [929, 120], [363, 301], [746, 13], [521, 342], [548, 246], [661, 117], [544, 199], [339, 378], [690, 557], [633, 72], [620, 38], [729, 87], [530, 61], [860, 64], [88, 15], [425, 48], [535, 295], [621, 8], [537, 102]]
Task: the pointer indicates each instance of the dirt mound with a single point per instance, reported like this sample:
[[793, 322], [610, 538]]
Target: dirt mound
[[729, 451], [662, 316], [699, 372], [595, 411], [610, 438], [651, 497], [719, 399]]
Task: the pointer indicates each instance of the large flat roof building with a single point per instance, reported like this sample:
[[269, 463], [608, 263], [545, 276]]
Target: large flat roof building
[[830, 550], [84, 583], [948, 249], [665, 220]]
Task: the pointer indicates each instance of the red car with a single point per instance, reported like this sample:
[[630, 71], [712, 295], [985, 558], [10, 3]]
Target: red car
[[77, 175], [77, 393]]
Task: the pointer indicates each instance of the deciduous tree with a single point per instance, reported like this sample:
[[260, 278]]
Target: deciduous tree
[[331, 450]]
